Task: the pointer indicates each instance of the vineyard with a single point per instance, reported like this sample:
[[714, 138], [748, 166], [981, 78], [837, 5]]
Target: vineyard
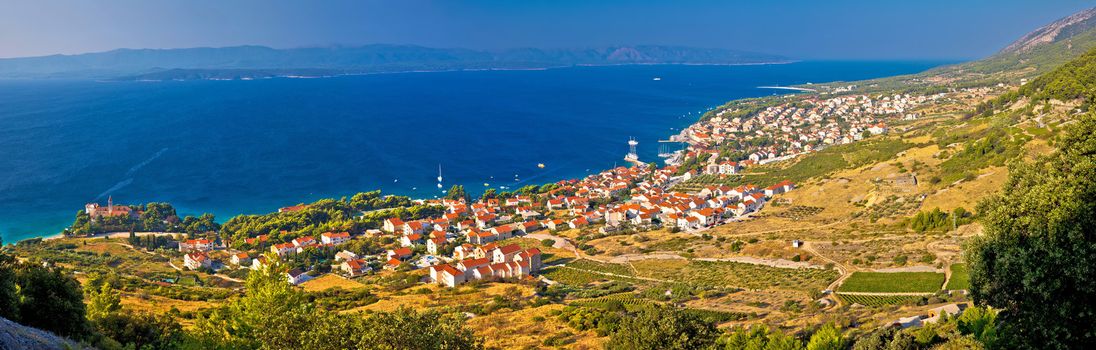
[[571, 276], [879, 300], [709, 274], [698, 182], [893, 282], [960, 277], [631, 303], [799, 212], [597, 266]]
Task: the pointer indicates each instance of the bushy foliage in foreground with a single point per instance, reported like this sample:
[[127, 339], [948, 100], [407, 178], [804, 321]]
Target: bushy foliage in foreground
[[1035, 259]]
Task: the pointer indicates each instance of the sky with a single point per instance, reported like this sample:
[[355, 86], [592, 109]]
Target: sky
[[803, 29]]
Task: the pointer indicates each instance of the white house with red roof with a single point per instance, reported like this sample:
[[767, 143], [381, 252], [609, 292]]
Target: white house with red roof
[[196, 260], [335, 238]]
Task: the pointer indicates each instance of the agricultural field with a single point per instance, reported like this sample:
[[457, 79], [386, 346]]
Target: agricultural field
[[591, 265], [879, 300], [960, 277], [329, 281], [571, 276], [709, 274], [893, 282]]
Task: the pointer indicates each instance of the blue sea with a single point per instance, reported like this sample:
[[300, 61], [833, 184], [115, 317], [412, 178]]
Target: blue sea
[[240, 147]]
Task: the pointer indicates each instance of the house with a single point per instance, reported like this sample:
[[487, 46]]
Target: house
[[345, 255], [258, 263], [950, 310], [392, 224], [530, 256], [447, 275], [578, 222], [472, 263], [797, 243], [201, 245], [335, 238], [503, 232], [505, 253], [258, 240], [304, 241], [392, 264], [410, 240], [240, 259], [556, 224], [464, 251], [399, 254], [355, 267], [297, 276], [434, 245], [283, 249], [196, 260]]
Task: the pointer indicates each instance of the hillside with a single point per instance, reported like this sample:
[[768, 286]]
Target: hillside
[[17, 336], [259, 61], [1037, 52]]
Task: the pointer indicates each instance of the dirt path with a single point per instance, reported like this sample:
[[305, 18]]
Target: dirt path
[[845, 272]]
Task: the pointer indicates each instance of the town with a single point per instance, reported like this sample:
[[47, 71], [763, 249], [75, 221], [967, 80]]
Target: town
[[468, 240]]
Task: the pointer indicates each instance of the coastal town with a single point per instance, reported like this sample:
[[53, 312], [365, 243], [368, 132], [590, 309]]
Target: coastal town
[[470, 239]]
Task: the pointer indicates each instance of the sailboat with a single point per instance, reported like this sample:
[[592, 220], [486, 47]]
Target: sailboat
[[439, 176]]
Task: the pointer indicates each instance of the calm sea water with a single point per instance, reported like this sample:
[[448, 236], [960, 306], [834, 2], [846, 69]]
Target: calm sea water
[[232, 147]]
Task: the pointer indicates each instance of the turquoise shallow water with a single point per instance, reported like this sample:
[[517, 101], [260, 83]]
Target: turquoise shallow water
[[232, 147]]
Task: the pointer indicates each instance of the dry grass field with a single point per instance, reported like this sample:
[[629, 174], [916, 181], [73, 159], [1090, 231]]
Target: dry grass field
[[329, 281]]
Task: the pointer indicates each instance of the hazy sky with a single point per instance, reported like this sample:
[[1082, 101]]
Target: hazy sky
[[826, 29]]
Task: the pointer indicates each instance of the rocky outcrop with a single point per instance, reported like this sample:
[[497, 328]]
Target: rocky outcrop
[[16, 336]]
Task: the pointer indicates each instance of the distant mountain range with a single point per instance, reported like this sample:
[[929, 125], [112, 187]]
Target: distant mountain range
[[259, 61]]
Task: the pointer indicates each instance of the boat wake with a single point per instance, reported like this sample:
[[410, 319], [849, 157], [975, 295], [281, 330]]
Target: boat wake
[[142, 164], [116, 187]]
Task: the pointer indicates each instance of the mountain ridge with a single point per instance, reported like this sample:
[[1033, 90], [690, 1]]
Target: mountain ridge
[[375, 58]]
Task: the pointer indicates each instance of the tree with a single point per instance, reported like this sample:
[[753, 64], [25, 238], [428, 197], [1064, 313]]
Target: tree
[[759, 338], [1035, 259], [9, 295], [663, 328], [103, 302], [456, 192], [827, 338], [142, 330], [50, 300], [980, 323]]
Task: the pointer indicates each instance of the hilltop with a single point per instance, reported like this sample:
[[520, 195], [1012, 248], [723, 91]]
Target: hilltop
[[258, 61], [1035, 53]]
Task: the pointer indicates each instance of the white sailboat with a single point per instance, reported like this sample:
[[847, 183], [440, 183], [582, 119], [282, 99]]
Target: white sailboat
[[440, 176]]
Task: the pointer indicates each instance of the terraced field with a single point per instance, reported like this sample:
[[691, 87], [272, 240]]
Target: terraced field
[[893, 282]]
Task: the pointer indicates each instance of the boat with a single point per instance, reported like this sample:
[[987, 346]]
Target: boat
[[540, 165], [439, 185], [439, 173], [657, 79], [486, 184]]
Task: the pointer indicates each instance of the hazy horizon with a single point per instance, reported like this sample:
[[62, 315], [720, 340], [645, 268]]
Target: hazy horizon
[[845, 30]]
